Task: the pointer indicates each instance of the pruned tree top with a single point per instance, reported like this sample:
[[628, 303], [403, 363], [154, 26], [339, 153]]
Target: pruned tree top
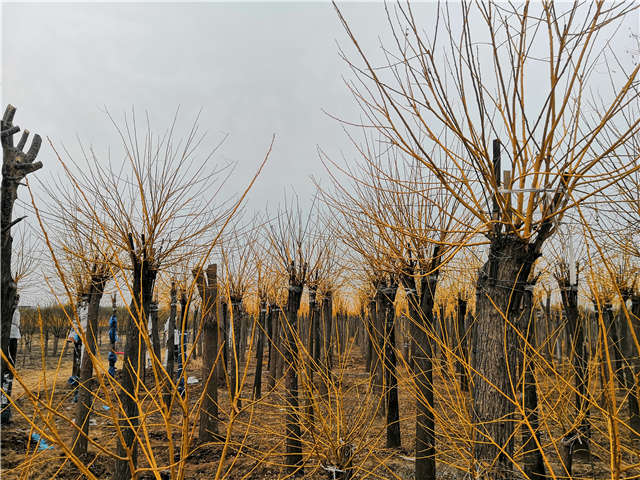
[[159, 202], [511, 72]]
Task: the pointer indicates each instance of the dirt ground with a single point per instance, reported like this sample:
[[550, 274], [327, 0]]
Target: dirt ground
[[255, 449]]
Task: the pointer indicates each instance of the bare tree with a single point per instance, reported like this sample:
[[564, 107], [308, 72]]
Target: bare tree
[[157, 214], [16, 165], [208, 289], [238, 261], [294, 249], [434, 89], [405, 225]]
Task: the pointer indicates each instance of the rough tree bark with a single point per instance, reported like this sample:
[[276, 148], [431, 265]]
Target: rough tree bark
[[422, 322], [182, 341], [327, 324], [171, 338], [628, 349], [391, 381], [208, 289], [500, 285], [155, 335], [313, 345], [614, 342], [462, 341], [627, 353], [533, 461], [370, 334], [16, 165], [234, 343], [634, 421], [379, 342], [223, 334], [293, 442], [262, 325], [575, 440], [86, 386], [194, 331], [315, 333], [274, 344], [499, 289], [144, 276]]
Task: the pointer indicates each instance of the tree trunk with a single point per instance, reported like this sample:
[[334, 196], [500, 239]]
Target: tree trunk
[[313, 350], [274, 345], [234, 341], [293, 442], [195, 330], [379, 328], [314, 333], [547, 334], [533, 462], [462, 341], [16, 165], [269, 334], [423, 370], [155, 334], [242, 343], [576, 441], [182, 341], [627, 350], [86, 397], [56, 340], [208, 289], [171, 348], [614, 342], [257, 381], [499, 289], [391, 380], [224, 335], [144, 275], [634, 385], [327, 312], [370, 335], [421, 323]]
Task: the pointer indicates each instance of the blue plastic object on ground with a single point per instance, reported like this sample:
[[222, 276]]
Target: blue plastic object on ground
[[41, 444]]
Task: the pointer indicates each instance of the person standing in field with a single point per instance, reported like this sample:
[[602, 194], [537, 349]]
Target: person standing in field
[[15, 334], [113, 330], [76, 340], [7, 382], [113, 358]]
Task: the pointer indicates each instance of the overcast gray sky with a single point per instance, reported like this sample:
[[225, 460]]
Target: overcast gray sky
[[254, 69]]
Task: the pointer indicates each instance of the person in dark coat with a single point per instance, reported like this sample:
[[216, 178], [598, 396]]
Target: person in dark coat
[[113, 358]]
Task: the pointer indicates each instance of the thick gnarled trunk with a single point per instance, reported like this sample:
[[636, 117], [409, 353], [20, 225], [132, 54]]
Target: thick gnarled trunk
[[576, 441], [634, 372], [293, 441], [262, 325], [391, 379], [500, 285], [171, 349], [144, 275], [534, 467], [16, 165], [234, 342], [462, 340], [86, 396], [208, 289]]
